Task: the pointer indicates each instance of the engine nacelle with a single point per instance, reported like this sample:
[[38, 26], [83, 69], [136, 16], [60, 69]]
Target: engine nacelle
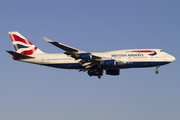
[[111, 63], [85, 56], [108, 63], [113, 72]]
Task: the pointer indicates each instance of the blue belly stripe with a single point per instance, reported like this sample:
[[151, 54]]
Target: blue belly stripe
[[127, 65]]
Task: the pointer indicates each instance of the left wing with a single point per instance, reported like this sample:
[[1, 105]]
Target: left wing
[[62, 46], [72, 51], [88, 60]]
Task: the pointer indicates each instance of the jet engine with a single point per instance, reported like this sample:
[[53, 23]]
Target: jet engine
[[85, 56], [111, 63], [113, 72]]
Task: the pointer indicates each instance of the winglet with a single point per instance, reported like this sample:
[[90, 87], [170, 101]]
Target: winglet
[[47, 39]]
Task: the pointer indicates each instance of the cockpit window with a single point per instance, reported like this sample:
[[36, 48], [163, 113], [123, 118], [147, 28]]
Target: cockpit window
[[161, 50]]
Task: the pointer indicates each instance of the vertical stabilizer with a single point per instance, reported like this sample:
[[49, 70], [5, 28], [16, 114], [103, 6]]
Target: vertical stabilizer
[[22, 45]]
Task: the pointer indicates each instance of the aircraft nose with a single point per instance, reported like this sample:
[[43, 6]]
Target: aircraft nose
[[171, 58]]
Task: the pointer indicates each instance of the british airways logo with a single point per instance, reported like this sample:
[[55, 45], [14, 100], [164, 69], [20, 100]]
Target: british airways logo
[[127, 55], [139, 53]]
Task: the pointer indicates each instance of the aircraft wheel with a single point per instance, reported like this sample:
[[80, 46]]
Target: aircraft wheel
[[156, 71], [99, 76]]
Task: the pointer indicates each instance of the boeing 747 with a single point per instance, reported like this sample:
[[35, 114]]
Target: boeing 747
[[94, 63]]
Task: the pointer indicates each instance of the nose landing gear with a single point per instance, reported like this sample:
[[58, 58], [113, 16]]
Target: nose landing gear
[[157, 70]]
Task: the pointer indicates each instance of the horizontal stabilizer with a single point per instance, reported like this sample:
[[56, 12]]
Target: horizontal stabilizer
[[18, 55]]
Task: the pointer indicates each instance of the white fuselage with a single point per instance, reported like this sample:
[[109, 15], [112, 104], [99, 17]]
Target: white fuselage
[[132, 57]]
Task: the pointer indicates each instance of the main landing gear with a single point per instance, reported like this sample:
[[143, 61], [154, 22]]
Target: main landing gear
[[95, 72], [157, 70]]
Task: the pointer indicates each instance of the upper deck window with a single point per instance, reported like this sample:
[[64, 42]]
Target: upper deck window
[[161, 50]]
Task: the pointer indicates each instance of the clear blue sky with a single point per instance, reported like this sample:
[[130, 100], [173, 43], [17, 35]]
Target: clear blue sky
[[33, 92]]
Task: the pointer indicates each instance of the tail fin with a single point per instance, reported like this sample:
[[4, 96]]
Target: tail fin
[[22, 45]]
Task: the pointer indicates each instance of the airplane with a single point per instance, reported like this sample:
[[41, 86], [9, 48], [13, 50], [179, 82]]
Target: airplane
[[94, 63]]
